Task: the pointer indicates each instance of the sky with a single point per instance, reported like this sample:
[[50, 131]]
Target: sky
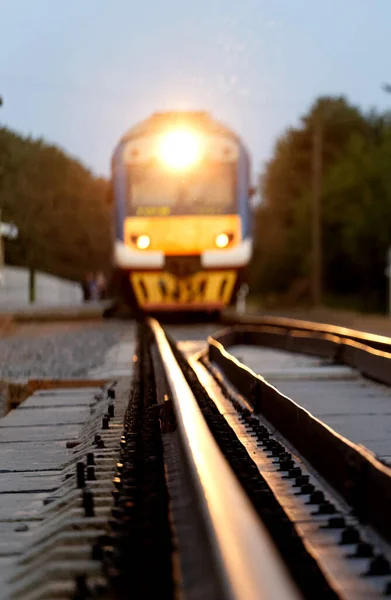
[[80, 73]]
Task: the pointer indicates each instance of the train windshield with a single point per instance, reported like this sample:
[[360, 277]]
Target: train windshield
[[206, 190]]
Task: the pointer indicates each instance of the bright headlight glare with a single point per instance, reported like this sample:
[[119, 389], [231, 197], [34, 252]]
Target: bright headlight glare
[[143, 242], [222, 240], [180, 148]]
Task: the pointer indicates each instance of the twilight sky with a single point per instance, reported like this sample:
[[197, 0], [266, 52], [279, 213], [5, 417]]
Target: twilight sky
[[79, 73]]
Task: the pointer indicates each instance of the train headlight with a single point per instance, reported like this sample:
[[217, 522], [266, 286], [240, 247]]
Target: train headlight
[[222, 240], [143, 242], [180, 148]]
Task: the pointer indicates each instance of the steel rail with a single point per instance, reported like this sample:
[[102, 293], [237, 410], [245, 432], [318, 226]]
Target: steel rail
[[373, 340], [370, 361], [352, 470], [249, 565]]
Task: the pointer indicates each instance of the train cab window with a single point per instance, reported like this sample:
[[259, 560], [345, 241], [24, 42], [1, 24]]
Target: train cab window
[[208, 189]]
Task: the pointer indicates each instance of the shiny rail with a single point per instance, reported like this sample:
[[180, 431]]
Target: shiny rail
[[285, 325], [371, 361], [249, 565], [354, 472]]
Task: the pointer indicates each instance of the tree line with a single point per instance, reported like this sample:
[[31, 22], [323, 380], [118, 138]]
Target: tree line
[[59, 206], [355, 209]]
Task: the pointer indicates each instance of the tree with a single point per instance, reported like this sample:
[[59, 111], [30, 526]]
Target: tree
[[355, 206], [58, 205]]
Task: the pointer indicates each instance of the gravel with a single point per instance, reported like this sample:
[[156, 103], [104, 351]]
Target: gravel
[[58, 352]]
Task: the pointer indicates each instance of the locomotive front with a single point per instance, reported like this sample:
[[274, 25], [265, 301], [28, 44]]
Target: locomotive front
[[181, 191]]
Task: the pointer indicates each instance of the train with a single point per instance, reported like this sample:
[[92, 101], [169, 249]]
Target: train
[[181, 189]]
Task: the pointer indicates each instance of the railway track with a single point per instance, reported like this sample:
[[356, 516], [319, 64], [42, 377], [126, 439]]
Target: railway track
[[198, 478]]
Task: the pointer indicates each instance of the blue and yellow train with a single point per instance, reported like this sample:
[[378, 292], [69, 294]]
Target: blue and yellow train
[[181, 187]]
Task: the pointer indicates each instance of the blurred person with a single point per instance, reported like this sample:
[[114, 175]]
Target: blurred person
[[87, 286], [94, 288], [101, 285]]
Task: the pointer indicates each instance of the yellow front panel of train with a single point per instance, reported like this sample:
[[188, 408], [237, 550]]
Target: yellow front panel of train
[[164, 291], [184, 234]]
